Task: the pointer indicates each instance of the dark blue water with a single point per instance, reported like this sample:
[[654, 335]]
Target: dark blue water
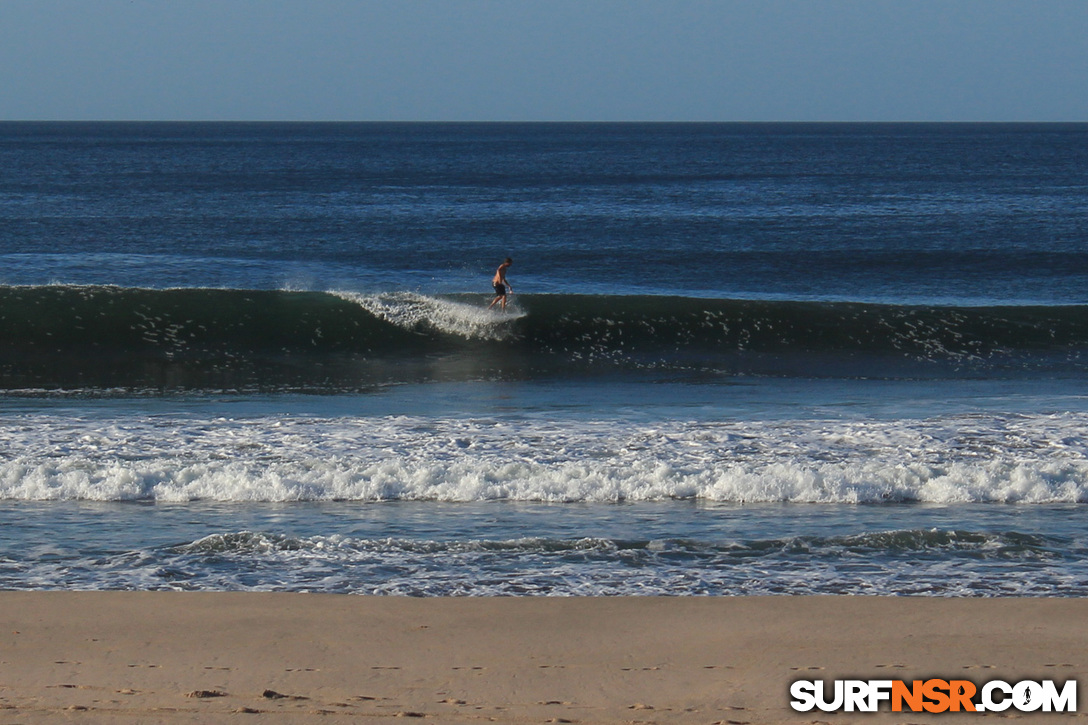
[[826, 357], [928, 213]]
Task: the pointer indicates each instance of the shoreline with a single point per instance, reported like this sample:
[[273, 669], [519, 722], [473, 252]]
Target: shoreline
[[180, 657]]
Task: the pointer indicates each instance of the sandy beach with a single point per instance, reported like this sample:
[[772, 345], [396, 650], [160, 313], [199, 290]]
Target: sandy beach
[[127, 657]]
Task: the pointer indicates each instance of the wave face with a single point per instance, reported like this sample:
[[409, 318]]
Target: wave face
[[69, 337]]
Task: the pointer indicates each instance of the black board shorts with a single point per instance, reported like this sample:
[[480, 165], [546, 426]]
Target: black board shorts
[[500, 290]]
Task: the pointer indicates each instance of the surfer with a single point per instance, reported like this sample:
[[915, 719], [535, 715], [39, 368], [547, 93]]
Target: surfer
[[502, 287]]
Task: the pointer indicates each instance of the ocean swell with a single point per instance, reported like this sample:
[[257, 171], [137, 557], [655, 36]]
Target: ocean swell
[[78, 338]]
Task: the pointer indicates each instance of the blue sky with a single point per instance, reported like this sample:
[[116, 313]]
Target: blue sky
[[562, 60]]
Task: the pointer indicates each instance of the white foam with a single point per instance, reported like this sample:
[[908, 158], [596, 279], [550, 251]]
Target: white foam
[[413, 311], [1025, 459]]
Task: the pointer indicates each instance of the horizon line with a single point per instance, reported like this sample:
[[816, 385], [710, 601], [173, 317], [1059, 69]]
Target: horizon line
[[531, 122]]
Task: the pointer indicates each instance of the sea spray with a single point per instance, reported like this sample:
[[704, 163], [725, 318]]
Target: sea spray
[[412, 311]]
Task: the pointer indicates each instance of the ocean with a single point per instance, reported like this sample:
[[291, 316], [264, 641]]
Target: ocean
[[738, 359]]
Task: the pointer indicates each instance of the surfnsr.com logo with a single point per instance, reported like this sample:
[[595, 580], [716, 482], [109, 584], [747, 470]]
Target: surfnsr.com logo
[[934, 695]]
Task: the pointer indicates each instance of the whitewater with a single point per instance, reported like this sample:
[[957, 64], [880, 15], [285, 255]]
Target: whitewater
[[1024, 459]]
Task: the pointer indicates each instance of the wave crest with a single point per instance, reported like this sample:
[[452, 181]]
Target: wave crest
[[416, 312], [65, 337]]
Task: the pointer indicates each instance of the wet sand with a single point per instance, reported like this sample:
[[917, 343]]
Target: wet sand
[[146, 657]]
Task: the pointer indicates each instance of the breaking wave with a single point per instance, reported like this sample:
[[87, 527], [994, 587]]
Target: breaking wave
[[71, 337], [1036, 459]]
